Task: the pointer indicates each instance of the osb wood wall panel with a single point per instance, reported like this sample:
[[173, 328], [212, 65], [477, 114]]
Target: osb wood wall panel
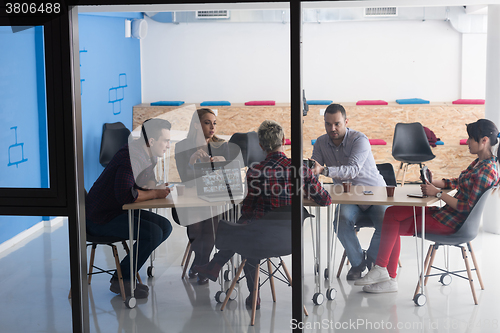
[[377, 122]]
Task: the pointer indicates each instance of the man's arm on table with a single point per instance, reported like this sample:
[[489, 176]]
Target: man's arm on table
[[125, 188], [157, 193]]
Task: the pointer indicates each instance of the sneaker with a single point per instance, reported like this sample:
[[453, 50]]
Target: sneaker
[[139, 293], [382, 287], [248, 301], [210, 270], [355, 272], [375, 275]]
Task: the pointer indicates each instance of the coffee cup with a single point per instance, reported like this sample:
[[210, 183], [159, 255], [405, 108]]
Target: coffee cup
[[390, 190], [180, 189], [347, 187]]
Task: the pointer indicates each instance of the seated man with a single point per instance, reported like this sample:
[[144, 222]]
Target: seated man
[[347, 155], [129, 177], [269, 184]]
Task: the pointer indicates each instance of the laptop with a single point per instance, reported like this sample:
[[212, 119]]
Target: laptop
[[219, 181]]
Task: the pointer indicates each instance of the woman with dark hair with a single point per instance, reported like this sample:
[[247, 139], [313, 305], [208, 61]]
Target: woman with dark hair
[[481, 174], [201, 145]]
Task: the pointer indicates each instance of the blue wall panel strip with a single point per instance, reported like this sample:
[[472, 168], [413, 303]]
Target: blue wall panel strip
[[23, 141], [110, 70]]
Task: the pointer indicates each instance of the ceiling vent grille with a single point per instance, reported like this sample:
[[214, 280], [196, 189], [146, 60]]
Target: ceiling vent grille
[[212, 14], [381, 11]]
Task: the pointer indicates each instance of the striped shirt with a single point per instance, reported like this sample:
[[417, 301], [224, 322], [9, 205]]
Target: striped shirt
[[471, 184], [270, 186]]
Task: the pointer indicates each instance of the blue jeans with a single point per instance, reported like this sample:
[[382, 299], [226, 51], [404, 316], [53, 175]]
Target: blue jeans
[[154, 230], [349, 216]]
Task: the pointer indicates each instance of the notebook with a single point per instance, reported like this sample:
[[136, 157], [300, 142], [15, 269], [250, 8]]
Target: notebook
[[219, 181]]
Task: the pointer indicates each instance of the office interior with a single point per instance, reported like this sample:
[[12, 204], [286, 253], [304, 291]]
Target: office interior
[[438, 52]]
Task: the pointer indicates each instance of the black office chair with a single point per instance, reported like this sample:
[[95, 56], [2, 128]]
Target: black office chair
[[467, 232], [410, 146], [114, 136], [262, 239], [249, 146], [387, 171]]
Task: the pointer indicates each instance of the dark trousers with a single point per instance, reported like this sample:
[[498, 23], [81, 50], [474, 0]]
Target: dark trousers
[[201, 236], [154, 230]]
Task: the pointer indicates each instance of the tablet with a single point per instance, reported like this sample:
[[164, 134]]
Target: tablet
[[416, 195]]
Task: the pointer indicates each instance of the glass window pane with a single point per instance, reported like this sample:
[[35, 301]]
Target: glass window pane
[[34, 270], [23, 129], [180, 60]]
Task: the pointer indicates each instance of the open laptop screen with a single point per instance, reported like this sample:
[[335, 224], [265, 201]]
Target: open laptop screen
[[218, 179]]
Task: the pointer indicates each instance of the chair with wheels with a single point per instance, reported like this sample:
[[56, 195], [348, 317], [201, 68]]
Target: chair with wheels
[[262, 239], [410, 146], [114, 136], [387, 171], [461, 239]]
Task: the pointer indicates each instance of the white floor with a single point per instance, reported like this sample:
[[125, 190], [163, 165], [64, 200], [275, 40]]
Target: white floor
[[35, 285]]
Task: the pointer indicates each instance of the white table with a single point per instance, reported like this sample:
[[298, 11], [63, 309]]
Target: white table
[[356, 197], [189, 199]]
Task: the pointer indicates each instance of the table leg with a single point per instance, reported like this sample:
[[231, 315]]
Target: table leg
[[130, 302], [420, 299], [422, 252], [313, 242], [330, 292], [221, 277], [133, 280], [328, 246], [318, 243], [318, 296]]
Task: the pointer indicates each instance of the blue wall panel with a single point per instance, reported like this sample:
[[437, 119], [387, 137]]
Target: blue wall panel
[[111, 86], [110, 74], [19, 113], [23, 144]]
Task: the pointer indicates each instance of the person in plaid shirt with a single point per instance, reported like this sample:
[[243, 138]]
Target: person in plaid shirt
[[269, 187], [481, 174]]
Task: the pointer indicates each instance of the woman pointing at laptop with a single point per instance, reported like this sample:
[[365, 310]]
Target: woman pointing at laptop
[[201, 145]]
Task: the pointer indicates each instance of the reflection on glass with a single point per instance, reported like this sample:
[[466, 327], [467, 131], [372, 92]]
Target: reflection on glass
[[182, 64], [23, 129], [34, 270]]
